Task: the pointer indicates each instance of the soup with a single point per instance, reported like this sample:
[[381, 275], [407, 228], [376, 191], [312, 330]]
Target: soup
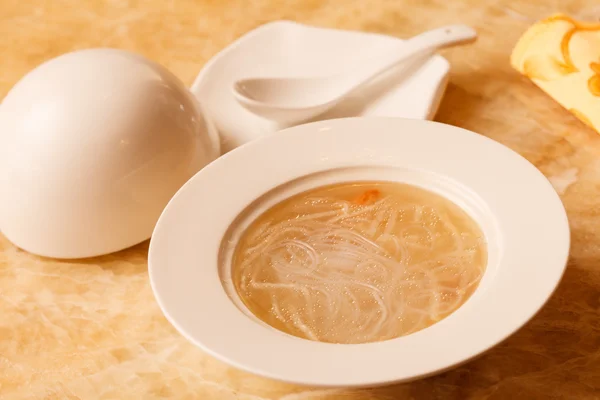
[[358, 262]]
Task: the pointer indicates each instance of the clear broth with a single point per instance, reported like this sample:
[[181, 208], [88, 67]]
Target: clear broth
[[359, 262]]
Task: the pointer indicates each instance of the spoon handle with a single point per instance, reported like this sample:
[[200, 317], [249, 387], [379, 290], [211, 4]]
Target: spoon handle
[[419, 45]]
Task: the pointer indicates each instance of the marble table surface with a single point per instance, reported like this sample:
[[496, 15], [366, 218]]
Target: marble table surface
[[92, 330]]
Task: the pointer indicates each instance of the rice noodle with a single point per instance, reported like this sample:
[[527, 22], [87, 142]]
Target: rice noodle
[[322, 267]]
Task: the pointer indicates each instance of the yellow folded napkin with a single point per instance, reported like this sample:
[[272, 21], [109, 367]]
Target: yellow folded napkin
[[562, 57]]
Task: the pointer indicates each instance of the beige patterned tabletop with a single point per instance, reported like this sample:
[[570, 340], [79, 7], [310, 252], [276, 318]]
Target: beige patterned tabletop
[[92, 330]]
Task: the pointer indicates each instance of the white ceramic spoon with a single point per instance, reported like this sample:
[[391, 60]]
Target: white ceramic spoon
[[296, 99]]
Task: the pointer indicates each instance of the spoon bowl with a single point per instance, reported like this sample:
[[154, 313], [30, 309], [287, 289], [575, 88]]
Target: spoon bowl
[[286, 99]]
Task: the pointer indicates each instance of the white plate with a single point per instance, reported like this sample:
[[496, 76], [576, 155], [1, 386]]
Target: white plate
[[284, 48], [519, 212]]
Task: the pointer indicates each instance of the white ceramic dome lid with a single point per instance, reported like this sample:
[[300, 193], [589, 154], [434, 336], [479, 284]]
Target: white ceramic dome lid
[[94, 143]]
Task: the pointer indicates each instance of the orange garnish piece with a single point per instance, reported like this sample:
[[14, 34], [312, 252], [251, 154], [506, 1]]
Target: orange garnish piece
[[368, 197]]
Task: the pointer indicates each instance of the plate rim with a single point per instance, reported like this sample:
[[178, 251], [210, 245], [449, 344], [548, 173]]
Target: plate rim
[[320, 351]]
